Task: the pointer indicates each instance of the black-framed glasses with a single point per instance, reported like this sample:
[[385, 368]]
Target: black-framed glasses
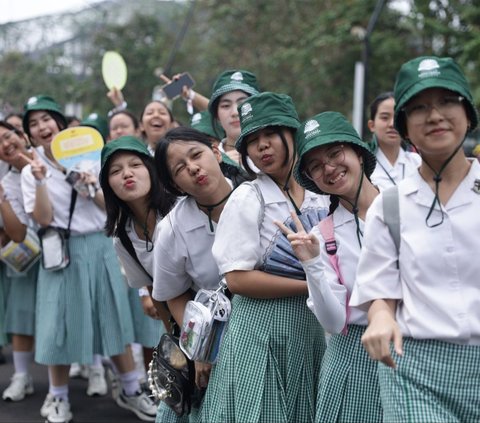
[[418, 112], [335, 157]]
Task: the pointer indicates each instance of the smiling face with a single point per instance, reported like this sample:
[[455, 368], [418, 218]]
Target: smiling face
[[439, 132], [11, 144], [382, 124], [269, 153], [194, 169], [129, 177], [43, 128], [156, 121], [15, 121], [121, 125], [335, 169], [227, 113]]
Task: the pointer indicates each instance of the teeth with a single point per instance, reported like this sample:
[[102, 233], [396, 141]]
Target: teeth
[[340, 176]]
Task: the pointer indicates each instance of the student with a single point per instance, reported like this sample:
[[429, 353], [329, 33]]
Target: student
[[19, 288], [334, 160], [81, 309], [121, 123], [393, 162], [231, 88], [189, 166], [269, 362], [155, 121], [424, 294]]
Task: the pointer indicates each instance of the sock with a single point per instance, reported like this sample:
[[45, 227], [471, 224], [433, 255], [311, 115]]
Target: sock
[[59, 392], [97, 362], [130, 383], [22, 360]]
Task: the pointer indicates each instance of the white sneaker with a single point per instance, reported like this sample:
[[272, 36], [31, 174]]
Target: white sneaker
[[59, 411], [140, 404], [97, 385], [78, 371], [21, 384], [45, 410]]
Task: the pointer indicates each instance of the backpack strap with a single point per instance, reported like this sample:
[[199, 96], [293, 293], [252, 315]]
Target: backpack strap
[[328, 233], [391, 215]]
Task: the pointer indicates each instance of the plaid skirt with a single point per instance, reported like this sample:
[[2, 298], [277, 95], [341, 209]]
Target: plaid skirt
[[269, 364], [435, 381], [349, 390]]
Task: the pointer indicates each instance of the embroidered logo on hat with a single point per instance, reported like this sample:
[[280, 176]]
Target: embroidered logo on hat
[[32, 100], [196, 118], [311, 128], [237, 76], [428, 68], [246, 111], [92, 116]]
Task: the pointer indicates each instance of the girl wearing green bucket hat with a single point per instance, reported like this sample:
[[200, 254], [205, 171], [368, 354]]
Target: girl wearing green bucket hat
[[422, 284], [81, 307], [334, 160], [269, 363], [230, 89]]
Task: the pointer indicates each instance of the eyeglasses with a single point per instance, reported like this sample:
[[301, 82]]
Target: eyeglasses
[[315, 168], [418, 113], [7, 136]]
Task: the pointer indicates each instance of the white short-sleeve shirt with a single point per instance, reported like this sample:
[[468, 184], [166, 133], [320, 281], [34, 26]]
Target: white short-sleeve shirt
[[245, 236], [437, 285], [406, 165], [327, 296], [183, 252], [11, 184], [87, 216]]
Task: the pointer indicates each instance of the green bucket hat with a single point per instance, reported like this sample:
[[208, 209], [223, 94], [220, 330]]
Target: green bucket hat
[[94, 120], [41, 102], [232, 80], [265, 109], [430, 72], [125, 143], [202, 122], [324, 129]]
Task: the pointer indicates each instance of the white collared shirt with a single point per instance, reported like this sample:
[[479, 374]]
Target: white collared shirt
[[327, 296], [245, 236], [11, 184], [183, 252], [438, 283], [407, 164]]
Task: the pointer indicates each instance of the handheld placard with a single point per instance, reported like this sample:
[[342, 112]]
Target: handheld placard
[[114, 70]]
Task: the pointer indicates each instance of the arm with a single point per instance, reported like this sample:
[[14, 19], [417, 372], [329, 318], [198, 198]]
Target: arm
[[14, 228], [382, 329]]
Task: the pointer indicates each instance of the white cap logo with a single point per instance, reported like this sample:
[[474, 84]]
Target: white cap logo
[[246, 109], [310, 126], [197, 117], [237, 76], [32, 100], [428, 68], [93, 116]]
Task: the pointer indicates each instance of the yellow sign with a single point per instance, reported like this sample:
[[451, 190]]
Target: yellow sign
[[114, 70]]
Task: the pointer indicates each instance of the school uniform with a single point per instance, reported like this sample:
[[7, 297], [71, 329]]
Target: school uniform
[[438, 304], [385, 175], [348, 388], [83, 309], [270, 359], [19, 288], [147, 330]]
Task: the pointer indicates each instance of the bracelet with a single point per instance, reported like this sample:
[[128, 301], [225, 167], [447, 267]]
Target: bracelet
[[143, 292], [40, 182]]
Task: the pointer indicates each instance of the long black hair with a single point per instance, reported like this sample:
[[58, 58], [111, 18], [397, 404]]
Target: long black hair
[[118, 212], [236, 174]]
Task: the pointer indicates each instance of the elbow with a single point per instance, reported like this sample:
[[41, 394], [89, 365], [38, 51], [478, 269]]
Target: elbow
[[233, 283]]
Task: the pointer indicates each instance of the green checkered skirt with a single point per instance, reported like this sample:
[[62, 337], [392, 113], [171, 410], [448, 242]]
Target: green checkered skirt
[[348, 390], [434, 381], [269, 364]]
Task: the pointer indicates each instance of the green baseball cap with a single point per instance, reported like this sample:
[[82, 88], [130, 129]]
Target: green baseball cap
[[430, 72], [324, 129], [41, 102], [94, 120], [202, 122], [125, 143], [232, 80], [265, 109]]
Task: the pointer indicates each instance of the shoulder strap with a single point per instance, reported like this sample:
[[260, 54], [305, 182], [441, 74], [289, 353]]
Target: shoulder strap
[[73, 201], [391, 214], [127, 244], [328, 233], [261, 213]]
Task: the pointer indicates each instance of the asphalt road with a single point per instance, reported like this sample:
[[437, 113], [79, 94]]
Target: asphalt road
[[84, 408]]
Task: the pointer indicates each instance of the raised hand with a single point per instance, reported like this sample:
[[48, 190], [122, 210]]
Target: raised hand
[[39, 169], [305, 245]]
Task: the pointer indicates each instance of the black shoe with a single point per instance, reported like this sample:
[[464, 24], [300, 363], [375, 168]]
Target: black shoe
[[2, 357]]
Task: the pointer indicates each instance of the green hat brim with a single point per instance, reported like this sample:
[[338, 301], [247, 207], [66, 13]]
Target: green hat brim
[[232, 86], [369, 159], [418, 87], [268, 121]]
